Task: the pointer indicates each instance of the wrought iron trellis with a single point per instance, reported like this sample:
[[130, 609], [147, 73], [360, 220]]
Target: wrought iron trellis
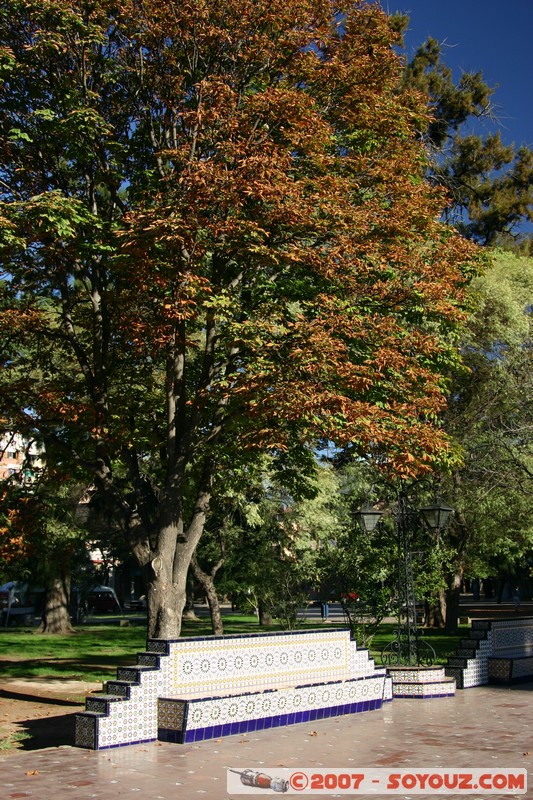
[[407, 648]]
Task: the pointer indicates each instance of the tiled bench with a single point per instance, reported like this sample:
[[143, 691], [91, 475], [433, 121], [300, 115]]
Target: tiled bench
[[510, 668], [496, 651], [188, 690]]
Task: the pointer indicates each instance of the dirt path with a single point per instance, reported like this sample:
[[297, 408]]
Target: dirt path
[[35, 714]]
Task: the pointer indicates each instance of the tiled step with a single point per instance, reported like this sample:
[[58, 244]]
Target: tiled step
[[424, 690], [100, 703], [469, 644], [419, 674], [152, 660], [468, 665], [121, 688], [87, 728], [132, 674], [421, 682], [159, 646], [462, 652], [459, 661], [465, 678]]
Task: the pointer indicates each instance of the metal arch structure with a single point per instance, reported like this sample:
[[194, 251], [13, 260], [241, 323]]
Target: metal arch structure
[[407, 648]]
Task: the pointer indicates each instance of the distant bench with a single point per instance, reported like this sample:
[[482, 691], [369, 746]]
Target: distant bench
[[192, 689], [495, 651], [510, 669], [511, 660]]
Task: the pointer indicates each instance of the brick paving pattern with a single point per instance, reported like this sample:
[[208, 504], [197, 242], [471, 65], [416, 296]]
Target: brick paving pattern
[[482, 727]]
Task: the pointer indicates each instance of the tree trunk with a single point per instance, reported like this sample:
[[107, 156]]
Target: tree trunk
[[207, 583], [265, 618], [435, 611], [165, 598], [188, 610], [453, 596], [56, 617], [166, 564], [166, 573]]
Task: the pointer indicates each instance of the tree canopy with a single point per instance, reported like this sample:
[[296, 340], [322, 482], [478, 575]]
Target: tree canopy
[[490, 414], [217, 240], [490, 183]]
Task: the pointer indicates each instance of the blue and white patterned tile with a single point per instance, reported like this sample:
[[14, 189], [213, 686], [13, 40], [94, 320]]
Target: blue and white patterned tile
[[215, 665], [222, 711]]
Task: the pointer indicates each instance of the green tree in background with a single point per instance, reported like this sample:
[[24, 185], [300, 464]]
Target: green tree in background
[[42, 543], [491, 414], [490, 184], [271, 539]]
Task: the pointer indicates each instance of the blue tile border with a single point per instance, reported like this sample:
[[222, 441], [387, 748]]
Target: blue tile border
[[424, 696], [124, 744], [265, 723]]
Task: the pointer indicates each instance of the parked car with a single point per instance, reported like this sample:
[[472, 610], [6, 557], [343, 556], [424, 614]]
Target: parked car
[[102, 599], [138, 605], [14, 606]]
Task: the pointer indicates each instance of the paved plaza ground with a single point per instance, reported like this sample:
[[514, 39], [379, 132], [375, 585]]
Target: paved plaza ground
[[482, 727]]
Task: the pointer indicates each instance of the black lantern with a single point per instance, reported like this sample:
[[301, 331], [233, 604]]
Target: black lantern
[[437, 515], [368, 517]]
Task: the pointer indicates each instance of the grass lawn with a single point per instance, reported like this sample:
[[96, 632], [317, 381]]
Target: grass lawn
[[95, 651], [443, 644], [92, 653]]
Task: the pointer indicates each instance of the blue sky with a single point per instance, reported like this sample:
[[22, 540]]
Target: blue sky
[[491, 36]]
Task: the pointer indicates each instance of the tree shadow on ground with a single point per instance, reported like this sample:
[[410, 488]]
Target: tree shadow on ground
[[35, 698], [47, 732], [70, 668]]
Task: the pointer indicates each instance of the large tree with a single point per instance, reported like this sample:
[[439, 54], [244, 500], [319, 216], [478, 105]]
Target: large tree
[[217, 241]]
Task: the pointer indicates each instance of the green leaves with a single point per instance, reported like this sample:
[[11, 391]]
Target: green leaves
[[221, 229], [58, 216], [16, 134], [490, 416]]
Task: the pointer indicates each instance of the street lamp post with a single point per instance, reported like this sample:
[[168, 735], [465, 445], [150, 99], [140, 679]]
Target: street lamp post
[[407, 648]]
